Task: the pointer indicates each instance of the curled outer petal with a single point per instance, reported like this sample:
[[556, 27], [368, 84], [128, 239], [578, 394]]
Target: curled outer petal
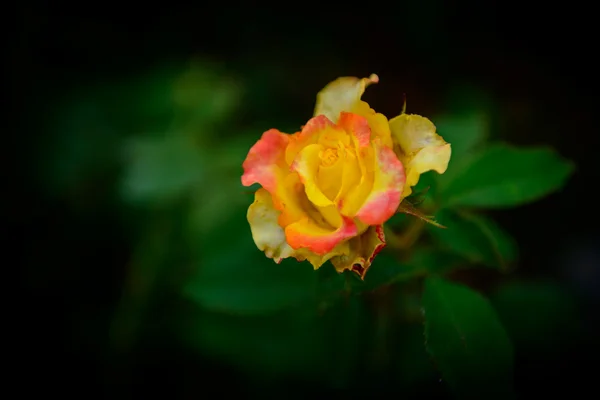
[[320, 240], [419, 147], [341, 95], [363, 250], [342, 249], [268, 235], [265, 163], [344, 94]]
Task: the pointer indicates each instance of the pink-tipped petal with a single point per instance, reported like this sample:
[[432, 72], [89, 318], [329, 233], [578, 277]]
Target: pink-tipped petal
[[389, 178], [265, 160], [357, 126], [307, 234]]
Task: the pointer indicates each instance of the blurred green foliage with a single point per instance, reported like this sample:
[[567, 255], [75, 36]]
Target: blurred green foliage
[[466, 338], [180, 146]]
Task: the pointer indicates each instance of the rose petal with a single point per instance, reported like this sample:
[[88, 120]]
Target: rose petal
[[306, 165], [269, 236], [318, 260], [351, 178], [388, 183], [363, 250], [329, 177], [291, 199], [266, 232], [361, 187], [306, 233], [265, 161], [379, 124], [357, 178], [341, 95], [315, 130], [357, 126], [344, 94], [419, 147]]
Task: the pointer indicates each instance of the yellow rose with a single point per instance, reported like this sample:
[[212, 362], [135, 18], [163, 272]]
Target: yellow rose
[[328, 189]]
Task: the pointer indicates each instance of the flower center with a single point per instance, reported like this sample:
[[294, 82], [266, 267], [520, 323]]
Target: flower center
[[328, 156]]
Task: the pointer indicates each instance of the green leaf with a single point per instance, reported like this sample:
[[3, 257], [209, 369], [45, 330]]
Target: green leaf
[[539, 316], [466, 126], [463, 132], [234, 276], [467, 341], [425, 186], [412, 364], [252, 287], [505, 176], [388, 269], [204, 95], [425, 193], [161, 169], [290, 344], [300, 343], [221, 191], [475, 237]]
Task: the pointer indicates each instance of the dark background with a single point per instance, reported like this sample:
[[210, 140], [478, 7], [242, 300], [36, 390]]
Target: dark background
[[536, 60]]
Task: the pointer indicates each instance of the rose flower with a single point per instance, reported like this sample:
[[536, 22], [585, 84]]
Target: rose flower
[[328, 189]]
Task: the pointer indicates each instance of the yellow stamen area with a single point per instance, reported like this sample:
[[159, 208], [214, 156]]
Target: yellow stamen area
[[328, 156]]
